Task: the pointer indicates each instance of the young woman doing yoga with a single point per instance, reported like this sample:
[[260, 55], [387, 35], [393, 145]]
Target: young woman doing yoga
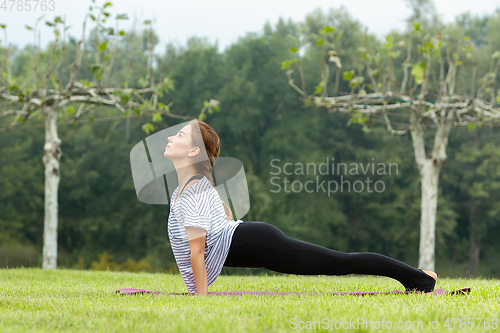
[[204, 238]]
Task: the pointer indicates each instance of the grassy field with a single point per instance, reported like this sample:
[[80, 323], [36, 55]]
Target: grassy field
[[32, 299]]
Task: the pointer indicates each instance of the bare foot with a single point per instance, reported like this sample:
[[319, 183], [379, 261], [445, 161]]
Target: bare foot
[[434, 276]]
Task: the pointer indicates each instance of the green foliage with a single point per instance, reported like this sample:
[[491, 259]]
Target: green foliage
[[418, 71], [103, 46], [106, 263], [168, 84], [318, 88], [148, 127], [143, 82], [262, 120], [286, 63], [97, 71], [357, 81], [54, 82], [121, 17], [125, 97], [156, 117], [327, 29], [348, 75], [389, 40]]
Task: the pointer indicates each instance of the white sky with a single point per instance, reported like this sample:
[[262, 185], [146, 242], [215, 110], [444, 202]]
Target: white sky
[[222, 20]]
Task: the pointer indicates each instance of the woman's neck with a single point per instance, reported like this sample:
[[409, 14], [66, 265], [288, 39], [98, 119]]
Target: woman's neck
[[184, 177]]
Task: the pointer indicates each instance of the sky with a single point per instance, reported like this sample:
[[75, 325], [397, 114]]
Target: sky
[[222, 21]]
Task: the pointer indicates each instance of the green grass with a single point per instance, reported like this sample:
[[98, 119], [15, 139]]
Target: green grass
[[33, 299]]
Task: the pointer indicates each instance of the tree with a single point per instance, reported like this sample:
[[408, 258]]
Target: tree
[[448, 100], [46, 94], [479, 184], [424, 12]]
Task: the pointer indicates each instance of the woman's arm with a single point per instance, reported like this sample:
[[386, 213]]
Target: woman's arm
[[197, 237]]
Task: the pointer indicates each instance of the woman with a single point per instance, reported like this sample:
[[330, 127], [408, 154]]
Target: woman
[[204, 238]]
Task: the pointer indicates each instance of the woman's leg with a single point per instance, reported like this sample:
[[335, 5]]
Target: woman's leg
[[260, 244]]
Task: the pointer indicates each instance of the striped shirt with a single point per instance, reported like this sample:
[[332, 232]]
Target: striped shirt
[[200, 206]]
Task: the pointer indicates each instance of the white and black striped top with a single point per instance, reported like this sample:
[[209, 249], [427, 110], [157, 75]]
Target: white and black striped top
[[200, 206]]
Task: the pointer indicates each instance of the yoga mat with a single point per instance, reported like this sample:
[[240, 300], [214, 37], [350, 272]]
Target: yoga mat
[[129, 291]]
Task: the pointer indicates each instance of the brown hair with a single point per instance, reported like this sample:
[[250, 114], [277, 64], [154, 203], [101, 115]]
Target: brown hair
[[202, 164]]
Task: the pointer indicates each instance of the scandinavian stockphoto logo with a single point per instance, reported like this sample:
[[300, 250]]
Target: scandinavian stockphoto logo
[[155, 176]]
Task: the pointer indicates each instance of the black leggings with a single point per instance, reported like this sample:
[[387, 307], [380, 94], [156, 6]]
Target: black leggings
[[260, 244]]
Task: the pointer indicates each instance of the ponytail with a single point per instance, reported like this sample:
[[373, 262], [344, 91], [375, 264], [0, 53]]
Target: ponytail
[[229, 214], [205, 164]]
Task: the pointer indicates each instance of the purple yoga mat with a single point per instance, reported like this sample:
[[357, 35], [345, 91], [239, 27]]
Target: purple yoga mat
[[128, 291]]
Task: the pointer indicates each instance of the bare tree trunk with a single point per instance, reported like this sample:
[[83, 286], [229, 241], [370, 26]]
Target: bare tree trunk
[[429, 180], [51, 157], [429, 169]]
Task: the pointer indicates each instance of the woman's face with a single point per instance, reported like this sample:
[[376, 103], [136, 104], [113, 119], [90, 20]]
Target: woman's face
[[179, 145]]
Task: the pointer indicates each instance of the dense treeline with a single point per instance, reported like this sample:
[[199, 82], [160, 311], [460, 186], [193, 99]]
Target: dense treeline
[[263, 123]]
